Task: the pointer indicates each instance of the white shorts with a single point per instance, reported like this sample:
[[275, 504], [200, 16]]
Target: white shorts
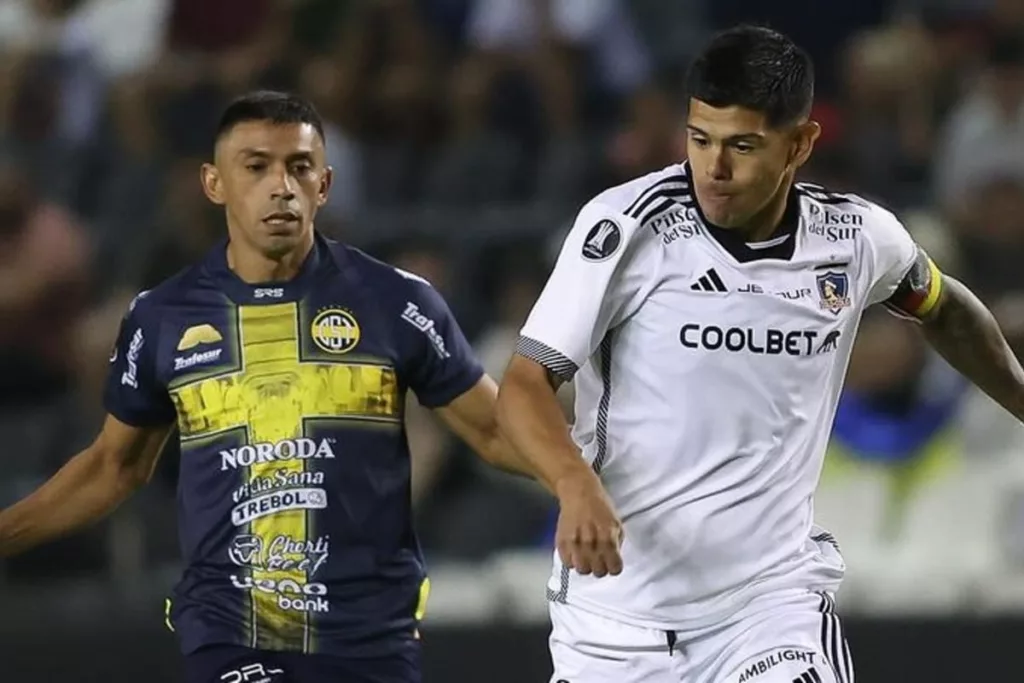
[[787, 637]]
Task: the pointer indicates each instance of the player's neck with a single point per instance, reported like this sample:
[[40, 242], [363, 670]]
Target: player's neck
[[765, 223], [253, 267]]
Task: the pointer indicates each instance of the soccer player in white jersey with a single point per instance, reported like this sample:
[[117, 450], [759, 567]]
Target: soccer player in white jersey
[[706, 314]]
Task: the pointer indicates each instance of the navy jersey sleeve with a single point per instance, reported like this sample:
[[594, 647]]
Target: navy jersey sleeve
[[440, 364], [133, 394]]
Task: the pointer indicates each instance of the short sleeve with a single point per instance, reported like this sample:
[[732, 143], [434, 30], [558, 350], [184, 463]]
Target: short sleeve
[[599, 280], [133, 394], [441, 365], [893, 253]]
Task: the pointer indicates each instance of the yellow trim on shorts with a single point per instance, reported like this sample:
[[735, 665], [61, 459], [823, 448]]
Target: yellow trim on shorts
[[421, 603], [167, 615]]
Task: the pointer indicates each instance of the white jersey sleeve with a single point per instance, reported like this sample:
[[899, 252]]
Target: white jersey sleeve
[[892, 254], [602, 275]]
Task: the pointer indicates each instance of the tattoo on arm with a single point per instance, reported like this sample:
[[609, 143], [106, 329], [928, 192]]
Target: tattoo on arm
[[966, 334]]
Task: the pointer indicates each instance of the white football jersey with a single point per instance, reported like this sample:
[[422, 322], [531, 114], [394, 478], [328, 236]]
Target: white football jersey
[[707, 373]]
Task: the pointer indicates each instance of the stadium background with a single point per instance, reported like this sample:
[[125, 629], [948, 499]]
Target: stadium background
[[464, 134]]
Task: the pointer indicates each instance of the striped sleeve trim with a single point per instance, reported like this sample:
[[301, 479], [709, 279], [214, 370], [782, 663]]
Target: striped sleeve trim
[[558, 363]]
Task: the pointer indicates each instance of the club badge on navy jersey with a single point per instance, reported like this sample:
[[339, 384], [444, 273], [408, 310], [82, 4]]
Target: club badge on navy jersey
[[833, 289], [335, 331], [602, 241]]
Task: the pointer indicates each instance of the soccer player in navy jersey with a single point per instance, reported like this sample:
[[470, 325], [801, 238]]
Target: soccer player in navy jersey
[[283, 359]]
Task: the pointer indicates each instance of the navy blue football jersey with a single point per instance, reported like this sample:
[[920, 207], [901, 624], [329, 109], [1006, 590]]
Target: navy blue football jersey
[[294, 497]]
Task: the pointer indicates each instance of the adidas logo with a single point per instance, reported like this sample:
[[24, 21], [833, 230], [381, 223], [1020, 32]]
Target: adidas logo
[[809, 676], [709, 282]]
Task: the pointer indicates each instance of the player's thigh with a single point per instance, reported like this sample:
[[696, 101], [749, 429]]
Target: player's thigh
[[231, 664], [586, 648], [800, 642]]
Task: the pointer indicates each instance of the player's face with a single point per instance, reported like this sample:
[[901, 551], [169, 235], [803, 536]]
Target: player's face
[[271, 178], [739, 162]]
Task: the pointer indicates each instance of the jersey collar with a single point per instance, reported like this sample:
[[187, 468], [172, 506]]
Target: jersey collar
[[780, 246], [274, 292]]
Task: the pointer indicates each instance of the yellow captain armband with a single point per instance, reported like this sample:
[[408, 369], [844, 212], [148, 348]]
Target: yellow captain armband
[[934, 289], [919, 291]]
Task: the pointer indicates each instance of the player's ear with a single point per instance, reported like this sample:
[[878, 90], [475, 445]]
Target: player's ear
[[804, 136], [210, 178], [326, 180]]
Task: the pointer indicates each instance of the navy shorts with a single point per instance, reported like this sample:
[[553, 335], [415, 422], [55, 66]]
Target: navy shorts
[[230, 664]]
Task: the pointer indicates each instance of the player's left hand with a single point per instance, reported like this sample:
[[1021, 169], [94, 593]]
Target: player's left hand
[[589, 533]]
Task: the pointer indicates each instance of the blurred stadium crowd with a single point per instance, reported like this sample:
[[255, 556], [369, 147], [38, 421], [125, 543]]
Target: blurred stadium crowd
[[464, 134]]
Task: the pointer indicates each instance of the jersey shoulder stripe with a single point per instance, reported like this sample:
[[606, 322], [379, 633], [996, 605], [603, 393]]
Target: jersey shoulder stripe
[[636, 202], [824, 195], [821, 206], [664, 192], [636, 197]]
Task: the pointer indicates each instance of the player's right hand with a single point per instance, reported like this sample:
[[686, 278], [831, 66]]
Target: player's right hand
[[589, 533]]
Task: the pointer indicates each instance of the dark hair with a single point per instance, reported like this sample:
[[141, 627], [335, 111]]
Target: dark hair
[[756, 68], [269, 105]]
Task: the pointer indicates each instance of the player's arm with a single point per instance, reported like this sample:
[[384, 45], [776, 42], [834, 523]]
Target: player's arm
[[532, 418], [589, 532], [962, 330], [121, 459], [599, 278], [86, 489], [447, 378], [472, 417]]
